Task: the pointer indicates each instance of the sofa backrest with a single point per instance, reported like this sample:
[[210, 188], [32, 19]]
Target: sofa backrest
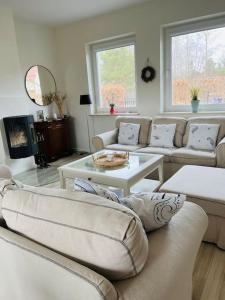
[[81, 226], [180, 128], [40, 273], [206, 120], [143, 121]]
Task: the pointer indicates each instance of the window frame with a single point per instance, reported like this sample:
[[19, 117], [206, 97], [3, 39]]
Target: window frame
[[94, 85], [168, 32]]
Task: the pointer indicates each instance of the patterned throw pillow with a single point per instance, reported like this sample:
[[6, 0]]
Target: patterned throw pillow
[[154, 209], [162, 135], [93, 188], [203, 136], [128, 134]]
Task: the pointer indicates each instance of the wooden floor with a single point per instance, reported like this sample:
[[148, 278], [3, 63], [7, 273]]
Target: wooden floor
[[209, 274]]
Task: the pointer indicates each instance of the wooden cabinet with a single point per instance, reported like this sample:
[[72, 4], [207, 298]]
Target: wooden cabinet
[[53, 138]]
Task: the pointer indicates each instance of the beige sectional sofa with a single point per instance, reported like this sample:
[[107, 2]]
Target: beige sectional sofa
[[174, 158], [41, 225]]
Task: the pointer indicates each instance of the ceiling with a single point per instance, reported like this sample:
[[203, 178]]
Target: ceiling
[[56, 12]]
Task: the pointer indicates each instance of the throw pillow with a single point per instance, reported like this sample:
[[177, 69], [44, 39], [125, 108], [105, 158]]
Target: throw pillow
[[128, 134], [203, 136], [154, 209], [87, 186], [162, 135]]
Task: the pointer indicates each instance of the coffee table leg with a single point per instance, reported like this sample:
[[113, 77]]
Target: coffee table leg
[[126, 191], [160, 170], [62, 180]]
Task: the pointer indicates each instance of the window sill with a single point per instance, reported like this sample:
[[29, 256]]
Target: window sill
[[193, 114], [112, 115]]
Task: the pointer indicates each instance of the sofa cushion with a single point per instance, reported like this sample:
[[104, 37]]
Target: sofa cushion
[[202, 185], [162, 135], [193, 157], [82, 185], [203, 136], [128, 134], [154, 209], [167, 152], [180, 128], [143, 121], [119, 147], [206, 120], [101, 234], [172, 253]]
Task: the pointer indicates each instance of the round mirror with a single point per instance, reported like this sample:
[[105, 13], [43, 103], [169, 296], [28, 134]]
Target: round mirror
[[39, 83]]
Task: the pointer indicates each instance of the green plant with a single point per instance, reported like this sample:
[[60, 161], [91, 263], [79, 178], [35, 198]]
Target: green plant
[[194, 93]]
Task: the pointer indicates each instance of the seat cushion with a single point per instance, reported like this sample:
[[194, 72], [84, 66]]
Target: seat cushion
[[167, 274], [193, 157], [119, 147], [202, 185], [143, 121], [94, 231], [180, 128], [206, 120], [167, 152]]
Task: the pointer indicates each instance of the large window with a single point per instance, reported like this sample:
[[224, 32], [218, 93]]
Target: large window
[[114, 75], [195, 57]]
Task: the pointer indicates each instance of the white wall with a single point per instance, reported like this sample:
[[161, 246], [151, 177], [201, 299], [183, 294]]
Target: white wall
[[22, 45], [144, 20]]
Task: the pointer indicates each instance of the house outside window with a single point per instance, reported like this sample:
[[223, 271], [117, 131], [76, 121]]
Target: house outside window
[[113, 74], [194, 56]]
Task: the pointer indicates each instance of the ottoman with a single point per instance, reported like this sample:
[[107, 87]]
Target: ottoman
[[204, 186]]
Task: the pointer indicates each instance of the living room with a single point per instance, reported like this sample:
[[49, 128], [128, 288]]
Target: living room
[[124, 100]]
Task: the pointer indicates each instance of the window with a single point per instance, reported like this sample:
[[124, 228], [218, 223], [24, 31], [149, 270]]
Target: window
[[114, 75], [195, 57]]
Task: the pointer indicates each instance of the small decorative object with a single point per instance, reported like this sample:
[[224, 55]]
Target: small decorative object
[[148, 73], [195, 101], [40, 116], [111, 160], [112, 108], [59, 100]]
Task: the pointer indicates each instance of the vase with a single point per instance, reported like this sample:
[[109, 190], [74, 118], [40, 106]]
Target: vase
[[195, 105], [61, 109]]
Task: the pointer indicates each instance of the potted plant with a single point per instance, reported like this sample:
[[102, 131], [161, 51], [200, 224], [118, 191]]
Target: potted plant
[[112, 108], [195, 101]]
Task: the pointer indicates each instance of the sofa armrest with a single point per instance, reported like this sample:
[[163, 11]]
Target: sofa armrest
[[220, 154], [36, 272], [102, 140]]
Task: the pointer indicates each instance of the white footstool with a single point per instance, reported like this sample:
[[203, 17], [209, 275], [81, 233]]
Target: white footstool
[[204, 186]]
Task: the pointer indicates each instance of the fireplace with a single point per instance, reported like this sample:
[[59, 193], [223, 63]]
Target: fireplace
[[20, 136]]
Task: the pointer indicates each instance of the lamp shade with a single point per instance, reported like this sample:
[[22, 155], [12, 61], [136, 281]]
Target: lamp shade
[[85, 100]]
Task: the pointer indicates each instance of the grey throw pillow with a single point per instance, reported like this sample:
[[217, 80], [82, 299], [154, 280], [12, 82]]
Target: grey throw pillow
[[87, 186], [162, 135], [154, 209], [128, 134], [203, 136]]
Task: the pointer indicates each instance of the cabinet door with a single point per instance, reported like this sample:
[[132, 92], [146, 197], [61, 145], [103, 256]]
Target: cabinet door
[[56, 144]]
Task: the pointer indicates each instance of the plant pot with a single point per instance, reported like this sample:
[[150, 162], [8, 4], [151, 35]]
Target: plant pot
[[195, 105], [112, 109]]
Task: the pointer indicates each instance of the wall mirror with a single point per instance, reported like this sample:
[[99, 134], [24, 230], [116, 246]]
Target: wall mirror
[[39, 82]]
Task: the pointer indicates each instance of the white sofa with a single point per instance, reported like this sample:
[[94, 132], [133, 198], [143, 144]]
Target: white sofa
[[174, 158], [31, 270]]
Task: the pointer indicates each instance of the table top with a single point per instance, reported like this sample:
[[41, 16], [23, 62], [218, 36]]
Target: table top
[[138, 163]]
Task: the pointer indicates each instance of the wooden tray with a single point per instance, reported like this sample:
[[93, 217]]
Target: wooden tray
[[111, 160]]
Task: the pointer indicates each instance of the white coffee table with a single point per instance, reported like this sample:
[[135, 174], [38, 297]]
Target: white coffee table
[[130, 177]]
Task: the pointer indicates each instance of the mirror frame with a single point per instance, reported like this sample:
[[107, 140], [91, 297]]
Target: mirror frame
[[26, 86]]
